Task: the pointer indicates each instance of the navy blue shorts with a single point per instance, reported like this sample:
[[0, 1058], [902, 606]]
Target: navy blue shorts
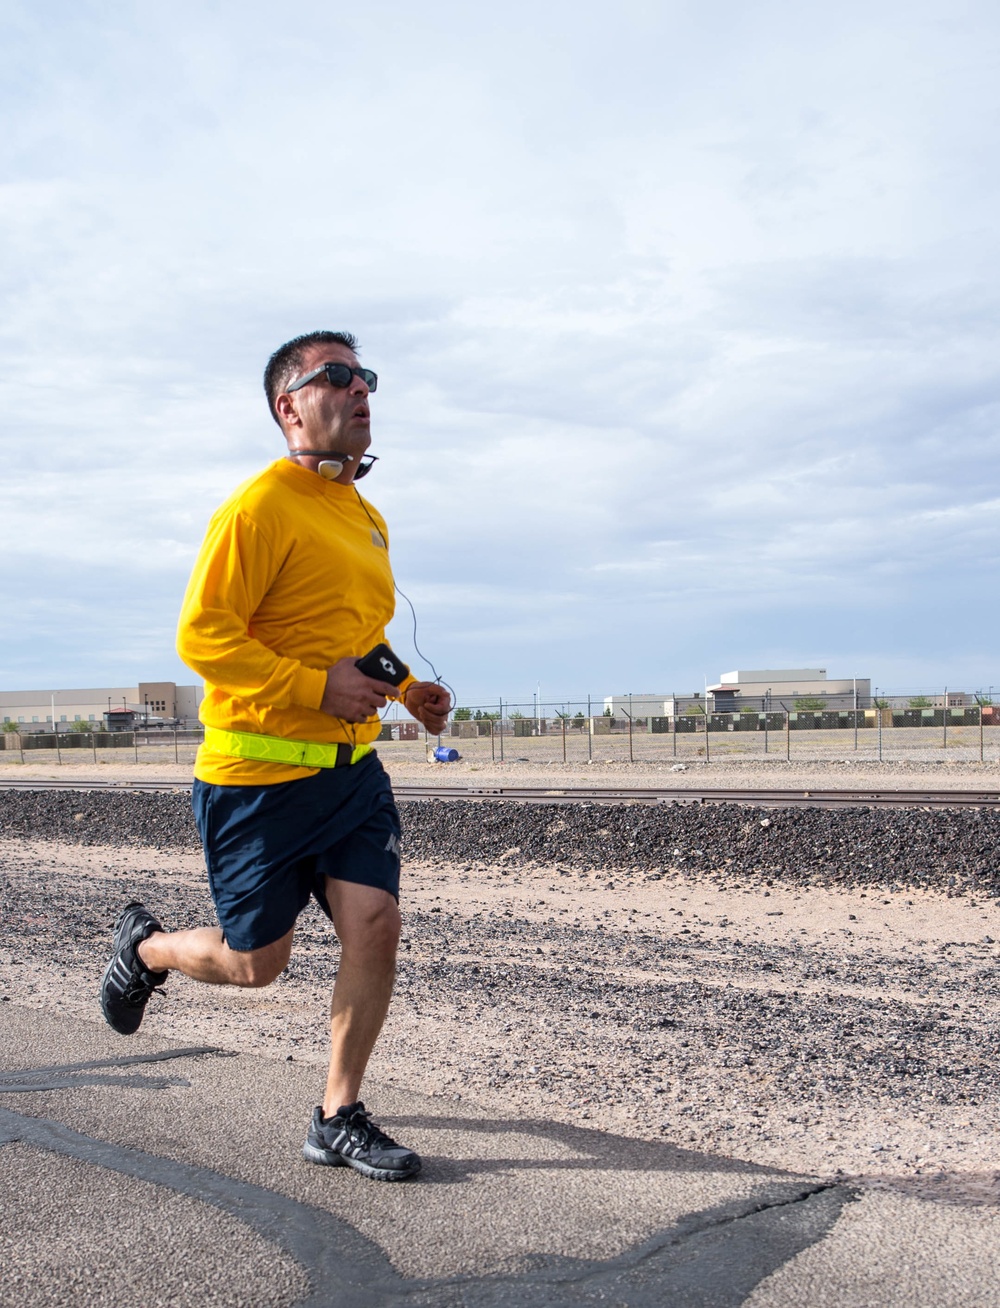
[[268, 848]]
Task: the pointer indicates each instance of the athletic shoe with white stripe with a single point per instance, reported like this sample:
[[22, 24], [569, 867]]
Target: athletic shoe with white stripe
[[127, 984], [351, 1139]]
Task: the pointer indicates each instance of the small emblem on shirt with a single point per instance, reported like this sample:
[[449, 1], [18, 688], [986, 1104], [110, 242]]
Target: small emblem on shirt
[[392, 845], [378, 539]]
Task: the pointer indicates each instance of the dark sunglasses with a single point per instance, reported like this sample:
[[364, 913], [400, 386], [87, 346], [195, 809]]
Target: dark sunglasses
[[339, 375]]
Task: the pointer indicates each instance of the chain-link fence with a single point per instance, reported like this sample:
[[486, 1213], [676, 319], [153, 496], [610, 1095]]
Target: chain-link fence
[[106, 747], [571, 736], [575, 734]]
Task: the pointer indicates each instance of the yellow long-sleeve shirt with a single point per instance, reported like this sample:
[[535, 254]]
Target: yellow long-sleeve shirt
[[292, 575]]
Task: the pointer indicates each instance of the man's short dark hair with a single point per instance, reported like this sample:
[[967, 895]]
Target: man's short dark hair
[[288, 359]]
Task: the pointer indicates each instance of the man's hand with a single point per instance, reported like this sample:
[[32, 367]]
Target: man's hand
[[351, 696], [429, 703]]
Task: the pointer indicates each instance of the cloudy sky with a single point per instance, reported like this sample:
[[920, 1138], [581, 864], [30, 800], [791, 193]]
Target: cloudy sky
[[686, 318]]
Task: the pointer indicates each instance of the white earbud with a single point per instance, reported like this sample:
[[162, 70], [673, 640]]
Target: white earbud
[[328, 469]]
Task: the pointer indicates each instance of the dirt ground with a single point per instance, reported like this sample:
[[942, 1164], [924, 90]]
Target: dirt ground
[[408, 767], [828, 1031]]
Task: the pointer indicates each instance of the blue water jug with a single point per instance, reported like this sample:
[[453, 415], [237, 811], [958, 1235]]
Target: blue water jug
[[445, 754]]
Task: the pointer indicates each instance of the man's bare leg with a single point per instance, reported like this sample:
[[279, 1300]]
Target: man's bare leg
[[367, 922], [203, 955]]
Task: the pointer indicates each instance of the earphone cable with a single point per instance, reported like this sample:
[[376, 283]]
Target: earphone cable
[[413, 612]]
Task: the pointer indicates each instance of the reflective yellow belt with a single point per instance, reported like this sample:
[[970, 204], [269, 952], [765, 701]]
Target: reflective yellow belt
[[275, 749]]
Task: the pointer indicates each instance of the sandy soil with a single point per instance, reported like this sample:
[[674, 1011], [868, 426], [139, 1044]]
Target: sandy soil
[[411, 770], [828, 1031]]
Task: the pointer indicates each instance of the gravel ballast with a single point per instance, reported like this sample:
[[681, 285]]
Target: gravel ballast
[[952, 850]]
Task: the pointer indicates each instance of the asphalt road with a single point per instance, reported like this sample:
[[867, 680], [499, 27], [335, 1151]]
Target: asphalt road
[[143, 1171]]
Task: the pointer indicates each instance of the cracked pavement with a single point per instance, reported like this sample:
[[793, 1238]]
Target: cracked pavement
[[507, 1211]]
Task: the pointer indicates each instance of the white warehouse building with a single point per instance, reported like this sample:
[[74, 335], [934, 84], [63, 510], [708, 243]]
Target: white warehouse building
[[779, 688], [758, 689], [36, 710]]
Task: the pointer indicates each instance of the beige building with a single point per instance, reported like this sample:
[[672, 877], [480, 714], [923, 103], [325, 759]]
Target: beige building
[[765, 688], [36, 710], [645, 704], [758, 689]]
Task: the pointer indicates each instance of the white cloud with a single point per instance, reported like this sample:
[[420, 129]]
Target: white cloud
[[686, 321]]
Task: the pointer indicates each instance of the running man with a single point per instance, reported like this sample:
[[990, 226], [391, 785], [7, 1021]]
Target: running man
[[291, 587]]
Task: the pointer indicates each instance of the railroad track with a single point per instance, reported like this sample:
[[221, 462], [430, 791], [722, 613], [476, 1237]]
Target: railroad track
[[779, 798], [784, 798]]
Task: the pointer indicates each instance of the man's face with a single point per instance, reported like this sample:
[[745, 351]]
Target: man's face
[[334, 419]]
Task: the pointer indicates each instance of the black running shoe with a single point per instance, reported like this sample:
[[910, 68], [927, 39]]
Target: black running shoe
[[127, 984], [351, 1139]]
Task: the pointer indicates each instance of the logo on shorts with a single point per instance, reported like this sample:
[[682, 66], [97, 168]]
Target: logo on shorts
[[392, 845]]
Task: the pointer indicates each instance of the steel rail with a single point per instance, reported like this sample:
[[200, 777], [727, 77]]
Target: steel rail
[[775, 798], [46, 783], [785, 797]]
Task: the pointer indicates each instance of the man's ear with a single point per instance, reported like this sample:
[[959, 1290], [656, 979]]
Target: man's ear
[[287, 413]]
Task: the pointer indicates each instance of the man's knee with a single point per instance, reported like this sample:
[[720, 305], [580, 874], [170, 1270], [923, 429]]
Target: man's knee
[[253, 975], [259, 967], [374, 933], [381, 931], [389, 928]]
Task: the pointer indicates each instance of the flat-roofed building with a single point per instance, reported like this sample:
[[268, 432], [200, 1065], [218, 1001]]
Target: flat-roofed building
[[756, 689], [779, 688], [645, 705], [37, 710], [648, 704]]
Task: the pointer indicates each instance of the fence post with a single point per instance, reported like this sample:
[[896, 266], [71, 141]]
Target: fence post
[[93, 744], [944, 719], [629, 716], [673, 719], [878, 710], [55, 728], [855, 715], [767, 707], [501, 730], [493, 745], [20, 745], [708, 748], [564, 737], [788, 734], [980, 733], [590, 732], [135, 744]]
